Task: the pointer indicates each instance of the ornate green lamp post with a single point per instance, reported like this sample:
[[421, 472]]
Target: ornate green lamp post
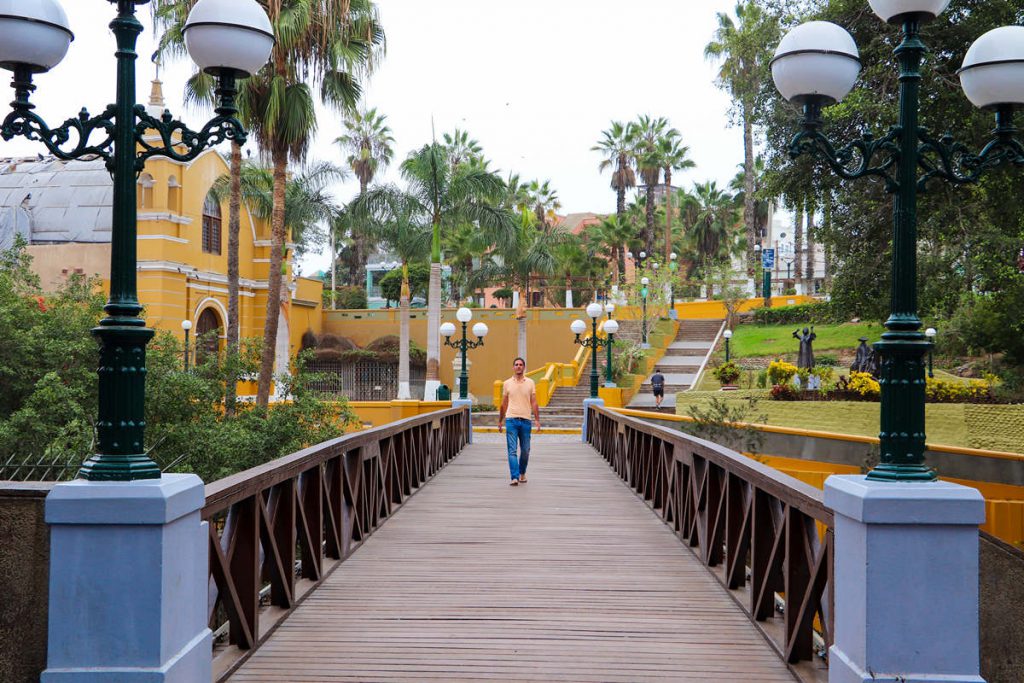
[[609, 308], [186, 325], [464, 315], [611, 328], [644, 281], [816, 65], [229, 39], [593, 342], [930, 334]]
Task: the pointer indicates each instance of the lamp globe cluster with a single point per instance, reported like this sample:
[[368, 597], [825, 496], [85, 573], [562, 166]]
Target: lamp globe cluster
[[818, 62], [233, 36]]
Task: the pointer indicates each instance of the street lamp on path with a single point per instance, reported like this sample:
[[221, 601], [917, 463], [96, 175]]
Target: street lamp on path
[[930, 334], [593, 342], [611, 328], [464, 315], [644, 281], [816, 65], [187, 326], [728, 335], [228, 39]]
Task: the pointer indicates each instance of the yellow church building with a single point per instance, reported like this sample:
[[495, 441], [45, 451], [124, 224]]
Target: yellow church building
[[63, 210]]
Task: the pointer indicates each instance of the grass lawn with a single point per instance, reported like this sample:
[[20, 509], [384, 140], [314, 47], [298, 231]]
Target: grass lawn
[[758, 340], [995, 427]]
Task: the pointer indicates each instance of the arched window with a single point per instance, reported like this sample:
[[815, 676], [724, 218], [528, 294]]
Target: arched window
[[206, 343], [211, 225]]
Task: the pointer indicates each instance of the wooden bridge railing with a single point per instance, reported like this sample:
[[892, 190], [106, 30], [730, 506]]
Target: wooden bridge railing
[[766, 536], [277, 530]]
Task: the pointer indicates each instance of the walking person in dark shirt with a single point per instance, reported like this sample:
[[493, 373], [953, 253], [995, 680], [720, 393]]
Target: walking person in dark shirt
[[658, 388]]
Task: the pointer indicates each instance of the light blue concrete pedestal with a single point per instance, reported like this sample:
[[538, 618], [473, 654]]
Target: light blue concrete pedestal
[[458, 403], [586, 413], [128, 582], [906, 581]]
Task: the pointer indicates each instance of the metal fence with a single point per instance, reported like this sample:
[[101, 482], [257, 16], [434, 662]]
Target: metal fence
[[362, 381]]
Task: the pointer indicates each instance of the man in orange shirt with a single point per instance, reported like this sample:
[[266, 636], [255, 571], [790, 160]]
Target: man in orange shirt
[[518, 404]]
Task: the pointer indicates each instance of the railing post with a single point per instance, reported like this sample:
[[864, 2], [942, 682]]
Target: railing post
[[128, 582], [906, 573]]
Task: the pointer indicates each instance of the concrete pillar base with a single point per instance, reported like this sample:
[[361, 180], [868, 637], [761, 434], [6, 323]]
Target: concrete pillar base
[[430, 388], [128, 582], [459, 402], [906, 576], [586, 412]]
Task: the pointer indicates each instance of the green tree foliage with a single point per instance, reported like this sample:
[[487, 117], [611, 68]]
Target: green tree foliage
[[49, 405], [969, 237], [419, 280]]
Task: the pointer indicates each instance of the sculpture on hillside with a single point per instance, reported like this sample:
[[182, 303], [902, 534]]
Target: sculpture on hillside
[[866, 359], [806, 357]]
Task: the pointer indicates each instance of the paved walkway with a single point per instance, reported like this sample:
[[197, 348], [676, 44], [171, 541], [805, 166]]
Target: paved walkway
[[567, 578]]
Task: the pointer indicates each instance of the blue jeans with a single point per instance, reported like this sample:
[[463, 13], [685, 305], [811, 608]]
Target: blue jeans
[[517, 432]]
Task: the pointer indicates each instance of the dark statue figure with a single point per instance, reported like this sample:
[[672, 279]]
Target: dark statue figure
[[866, 360], [806, 357]]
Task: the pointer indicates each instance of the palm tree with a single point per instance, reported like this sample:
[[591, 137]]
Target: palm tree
[[544, 201], [529, 252], [327, 46], [575, 260], [762, 207], [614, 235], [743, 46], [461, 149], [675, 156], [714, 219], [445, 197], [405, 230], [616, 146], [649, 135], [369, 145]]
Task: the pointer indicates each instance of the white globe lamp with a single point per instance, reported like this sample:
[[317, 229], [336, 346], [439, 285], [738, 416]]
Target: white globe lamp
[[228, 35], [35, 34], [463, 315], [993, 70], [480, 330], [896, 11], [578, 327], [611, 327], [816, 62], [447, 329]]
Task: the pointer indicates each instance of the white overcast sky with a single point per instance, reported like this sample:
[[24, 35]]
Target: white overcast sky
[[535, 82]]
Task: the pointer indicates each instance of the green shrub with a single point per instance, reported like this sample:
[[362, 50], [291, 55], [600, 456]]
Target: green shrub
[[802, 314], [727, 373], [827, 360], [351, 298]]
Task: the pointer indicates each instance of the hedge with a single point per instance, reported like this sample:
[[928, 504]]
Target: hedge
[[816, 313]]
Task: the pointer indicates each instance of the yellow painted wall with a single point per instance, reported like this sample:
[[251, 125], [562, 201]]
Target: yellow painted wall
[[177, 280], [547, 334], [378, 413]]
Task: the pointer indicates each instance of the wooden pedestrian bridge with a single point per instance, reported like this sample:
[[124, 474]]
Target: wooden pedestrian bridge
[[401, 554]]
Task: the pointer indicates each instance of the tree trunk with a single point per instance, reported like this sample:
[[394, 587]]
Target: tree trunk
[[433, 329], [621, 251], [521, 317], [809, 272], [827, 219], [277, 246], [404, 391], [234, 226], [334, 269], [360, 248], [649, 232], [749, 215], [668, 217], [798, 245], [620, 191]]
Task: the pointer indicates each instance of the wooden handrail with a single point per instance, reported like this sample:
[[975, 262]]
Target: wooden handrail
[[766, 536], [278, 529]]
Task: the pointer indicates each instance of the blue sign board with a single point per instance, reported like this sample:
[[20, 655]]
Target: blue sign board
[[767, 259]]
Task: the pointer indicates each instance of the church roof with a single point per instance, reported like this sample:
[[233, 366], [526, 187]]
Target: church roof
[[47, 200]]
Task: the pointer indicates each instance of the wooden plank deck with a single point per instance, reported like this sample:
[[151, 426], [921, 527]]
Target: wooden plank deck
[[567, 578]]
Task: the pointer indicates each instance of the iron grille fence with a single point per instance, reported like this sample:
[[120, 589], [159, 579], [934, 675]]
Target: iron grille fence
[[362, 381]]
